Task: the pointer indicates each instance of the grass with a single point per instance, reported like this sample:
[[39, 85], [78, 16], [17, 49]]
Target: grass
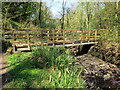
[[44, 68]]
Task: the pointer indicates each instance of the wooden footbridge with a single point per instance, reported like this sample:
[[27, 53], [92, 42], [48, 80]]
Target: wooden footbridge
[[28, 38]]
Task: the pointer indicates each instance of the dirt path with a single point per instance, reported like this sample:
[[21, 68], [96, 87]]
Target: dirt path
[[3, 64], [99, 74], [3, 69]]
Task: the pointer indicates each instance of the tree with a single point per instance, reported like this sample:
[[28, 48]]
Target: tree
[[22, 14], [16, 12], [63, 13]]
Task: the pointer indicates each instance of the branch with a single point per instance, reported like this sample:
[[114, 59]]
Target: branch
[[20, 14]]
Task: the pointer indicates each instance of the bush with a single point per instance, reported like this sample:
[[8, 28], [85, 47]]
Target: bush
[[45, 57], [5, 45]]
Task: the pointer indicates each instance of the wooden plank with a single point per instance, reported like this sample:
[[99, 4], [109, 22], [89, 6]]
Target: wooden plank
[[22, 39], [20, 33], [38, 33], [23, 49], [64, 38], [7, 32], [53, 32], [28, 39], [67, 45], [77, 44], [23, 29], [3, 35], [35, 38], [95, 35], [6, 29], [81, 36], [41, 38], [50, 37], [14, 46], [73, 36], [22, 45]]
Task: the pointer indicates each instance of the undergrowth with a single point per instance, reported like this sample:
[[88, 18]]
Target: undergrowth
[[45, 67]]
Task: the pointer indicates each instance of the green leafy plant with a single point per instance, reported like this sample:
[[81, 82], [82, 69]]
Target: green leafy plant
[[45, 67], [46, 57]]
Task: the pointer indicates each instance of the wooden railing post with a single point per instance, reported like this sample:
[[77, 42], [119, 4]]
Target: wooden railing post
[[13, 36], [28, 40], [86, 35], [81, 36], [53, 36], [73, 37], [63, 37], [95, 35], [57, 32], [3, 35], [48, 34], [41, 37], [89, 36]]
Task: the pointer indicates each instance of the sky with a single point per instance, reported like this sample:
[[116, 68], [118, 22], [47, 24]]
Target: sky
[[56, 6]]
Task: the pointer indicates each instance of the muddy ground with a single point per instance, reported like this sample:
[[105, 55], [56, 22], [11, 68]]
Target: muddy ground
[[99, 74], [102, 66], [108, 55]]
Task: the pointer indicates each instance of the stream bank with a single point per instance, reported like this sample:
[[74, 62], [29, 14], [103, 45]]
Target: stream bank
[[109, 54], [101, 65], [99, 74]]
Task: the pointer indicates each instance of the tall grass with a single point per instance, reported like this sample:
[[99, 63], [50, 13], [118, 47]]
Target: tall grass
[[45, 57], [45, 67]]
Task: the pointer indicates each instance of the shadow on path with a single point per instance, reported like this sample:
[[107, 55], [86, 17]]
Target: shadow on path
[[16, 75]]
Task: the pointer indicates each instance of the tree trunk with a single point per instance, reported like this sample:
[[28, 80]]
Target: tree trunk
[[63, 14], [40, 14]]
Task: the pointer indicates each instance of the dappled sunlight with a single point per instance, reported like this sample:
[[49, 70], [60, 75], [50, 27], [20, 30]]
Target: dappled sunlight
[[61, 44], [57, 74]]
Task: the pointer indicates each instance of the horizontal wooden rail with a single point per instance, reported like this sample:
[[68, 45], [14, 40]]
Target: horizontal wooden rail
[[29, 37]]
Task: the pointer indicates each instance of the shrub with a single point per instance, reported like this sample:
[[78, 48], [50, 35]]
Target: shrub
[[5, 45], [45, 57]]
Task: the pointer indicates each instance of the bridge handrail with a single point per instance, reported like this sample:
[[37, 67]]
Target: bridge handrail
[[45, 36]]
